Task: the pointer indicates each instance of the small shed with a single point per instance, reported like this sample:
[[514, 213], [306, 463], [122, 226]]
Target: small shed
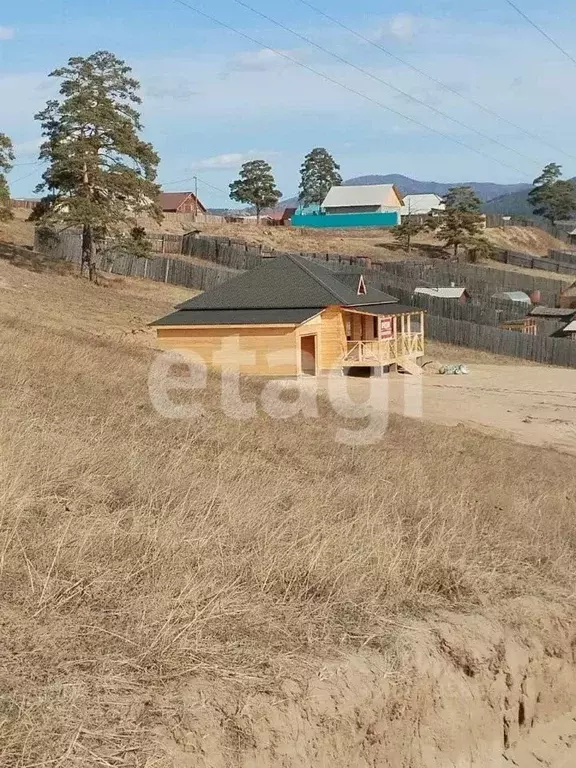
[[181, 202], [552, 320], [518, 297], [452, 292]]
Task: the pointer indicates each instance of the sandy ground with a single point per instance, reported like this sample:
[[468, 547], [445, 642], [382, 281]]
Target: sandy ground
[[534, 404]]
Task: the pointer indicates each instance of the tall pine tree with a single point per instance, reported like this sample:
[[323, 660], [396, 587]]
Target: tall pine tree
[[318, 174], [461, 222], [553, 197], [6, 159], [256, 186], [100, 173]]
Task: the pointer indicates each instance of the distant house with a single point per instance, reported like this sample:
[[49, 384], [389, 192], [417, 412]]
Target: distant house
[[180, 202], [526, 325], [377, 205], [552, 321], [279, 218], [422, 205], [293, 316], [519, 297], [572, 237], [451, 292]]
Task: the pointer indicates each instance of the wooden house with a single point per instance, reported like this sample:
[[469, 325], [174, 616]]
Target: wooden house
[[181, 202], [293, 316]]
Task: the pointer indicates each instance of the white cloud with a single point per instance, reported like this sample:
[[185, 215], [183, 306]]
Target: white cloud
[[7, 33], [406, 26], [264, 60], [231, 160]]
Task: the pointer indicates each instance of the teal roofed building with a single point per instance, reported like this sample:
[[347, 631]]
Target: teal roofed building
[[377, 205]]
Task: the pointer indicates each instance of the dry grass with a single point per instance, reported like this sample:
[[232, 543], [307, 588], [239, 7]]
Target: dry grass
[[378, 244], [138, 552], [451, 353]]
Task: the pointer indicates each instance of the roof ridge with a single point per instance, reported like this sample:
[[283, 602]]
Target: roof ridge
[[299, 261]]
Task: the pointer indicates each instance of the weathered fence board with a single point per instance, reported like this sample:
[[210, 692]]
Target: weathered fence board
[[541, 349]]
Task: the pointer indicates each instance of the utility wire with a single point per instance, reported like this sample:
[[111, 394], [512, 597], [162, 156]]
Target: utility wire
[[435, 80], [348, 88], [383, 82], [542, 32], [197, 178]]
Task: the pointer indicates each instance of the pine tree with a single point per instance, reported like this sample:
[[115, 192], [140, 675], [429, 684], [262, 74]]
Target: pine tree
[[256, 186], [319, 173], [461, 222], [552, 197], [6, 159], [406, 231], [101, 174]]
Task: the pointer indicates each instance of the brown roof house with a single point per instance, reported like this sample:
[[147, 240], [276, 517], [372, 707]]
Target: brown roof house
[[292, 316], [180, 202]]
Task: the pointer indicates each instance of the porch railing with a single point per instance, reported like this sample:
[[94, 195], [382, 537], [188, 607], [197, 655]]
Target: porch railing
[[384, 350]]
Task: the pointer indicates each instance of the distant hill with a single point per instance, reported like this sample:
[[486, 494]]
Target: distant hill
[[512, 204], [485, 190]]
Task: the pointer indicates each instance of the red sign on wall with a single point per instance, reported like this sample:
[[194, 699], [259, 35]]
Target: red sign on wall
[[386, 327]]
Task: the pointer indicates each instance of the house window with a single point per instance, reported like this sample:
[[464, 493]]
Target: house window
[[348, 326], [415, 324]]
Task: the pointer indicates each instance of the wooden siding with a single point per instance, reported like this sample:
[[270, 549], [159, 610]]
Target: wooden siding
[[332, 339], [276, 349]]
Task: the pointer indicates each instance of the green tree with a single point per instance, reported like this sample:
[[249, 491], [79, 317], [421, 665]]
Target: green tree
[[256, 186], [461, 222], [406, 231], [6, 159], [318, 174], [100, 173], [552, 197]]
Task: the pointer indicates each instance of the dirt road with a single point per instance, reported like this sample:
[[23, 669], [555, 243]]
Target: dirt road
[[531, 404]]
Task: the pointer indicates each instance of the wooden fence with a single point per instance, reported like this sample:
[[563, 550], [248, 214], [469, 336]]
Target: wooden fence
[[564, 258], [541, 349], [160, 268], [552, 263]]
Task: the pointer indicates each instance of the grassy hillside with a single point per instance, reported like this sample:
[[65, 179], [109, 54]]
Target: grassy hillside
[[141, 553]]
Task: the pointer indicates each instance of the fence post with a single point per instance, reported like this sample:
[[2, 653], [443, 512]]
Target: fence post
[[167, 268]]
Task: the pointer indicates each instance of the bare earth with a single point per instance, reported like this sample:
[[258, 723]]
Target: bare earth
[[531, 404]]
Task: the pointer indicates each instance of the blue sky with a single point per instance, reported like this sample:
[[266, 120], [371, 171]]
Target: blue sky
[[213, 99]]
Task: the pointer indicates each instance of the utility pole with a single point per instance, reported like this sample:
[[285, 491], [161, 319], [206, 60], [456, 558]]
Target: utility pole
[[195, 197]]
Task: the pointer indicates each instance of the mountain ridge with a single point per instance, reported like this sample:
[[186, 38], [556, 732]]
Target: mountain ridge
[[485, 190]]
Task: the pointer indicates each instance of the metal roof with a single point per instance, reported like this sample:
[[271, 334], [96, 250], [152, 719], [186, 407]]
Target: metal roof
[[422, 204], [570, 328], [518, 296], [442, 293], [363, 195]]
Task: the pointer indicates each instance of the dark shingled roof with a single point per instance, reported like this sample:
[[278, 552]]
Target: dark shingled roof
[[287, 281], [287, 289], [552, 312], [239, 317]]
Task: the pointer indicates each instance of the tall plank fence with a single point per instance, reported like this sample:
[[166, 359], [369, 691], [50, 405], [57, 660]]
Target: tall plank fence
[[159, 268], [540, 349]]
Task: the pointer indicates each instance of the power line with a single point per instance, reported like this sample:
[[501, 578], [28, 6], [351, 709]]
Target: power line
[[348, 88], [435, 80], [22, 178], [195, 178], [384, 82], [542, 32]]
